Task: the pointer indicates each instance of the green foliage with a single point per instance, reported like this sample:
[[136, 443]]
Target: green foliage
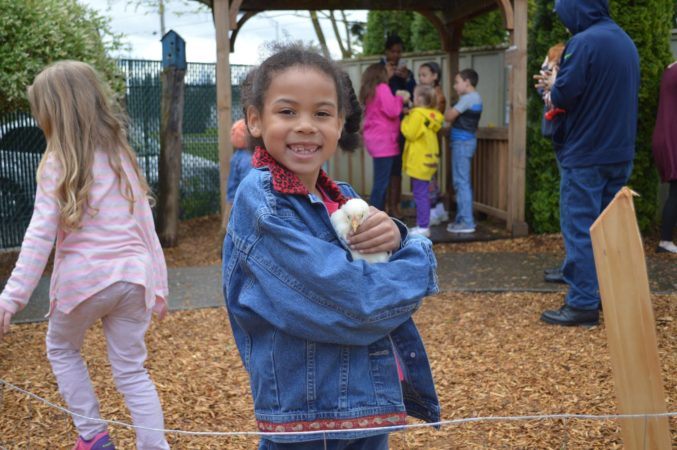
[[380, 23], [38, 32], [542, 189], [419, 35], [649, 27], [424, 35], [487, 29]]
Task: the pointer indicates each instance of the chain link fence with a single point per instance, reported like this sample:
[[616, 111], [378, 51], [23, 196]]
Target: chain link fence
[[22, 143]]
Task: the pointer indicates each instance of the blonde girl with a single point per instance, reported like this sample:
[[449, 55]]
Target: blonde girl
[[93, 201]]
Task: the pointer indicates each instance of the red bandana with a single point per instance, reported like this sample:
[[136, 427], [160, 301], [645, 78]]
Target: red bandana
[[286, 182]]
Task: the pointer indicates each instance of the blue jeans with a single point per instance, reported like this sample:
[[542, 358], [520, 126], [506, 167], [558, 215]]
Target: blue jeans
[[379, 442], [382, 169], [461, 161], [584, 193]]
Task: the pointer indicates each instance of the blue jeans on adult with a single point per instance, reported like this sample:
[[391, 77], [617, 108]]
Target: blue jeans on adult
[[379, 442], [382, 169], [461, 162], [584, 193]]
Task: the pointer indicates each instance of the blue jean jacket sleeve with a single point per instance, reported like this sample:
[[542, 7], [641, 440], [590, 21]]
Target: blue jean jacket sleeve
[[312, 290], [571, 78]]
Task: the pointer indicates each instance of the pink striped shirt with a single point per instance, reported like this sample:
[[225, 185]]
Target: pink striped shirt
[[111, 245]]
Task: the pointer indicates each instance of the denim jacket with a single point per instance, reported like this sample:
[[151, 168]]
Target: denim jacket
[[317, 331]]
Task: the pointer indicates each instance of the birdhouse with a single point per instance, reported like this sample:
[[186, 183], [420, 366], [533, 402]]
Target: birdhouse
[[173, 51]]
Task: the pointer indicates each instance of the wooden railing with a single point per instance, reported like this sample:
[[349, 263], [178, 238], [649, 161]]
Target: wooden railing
[[490, 172]]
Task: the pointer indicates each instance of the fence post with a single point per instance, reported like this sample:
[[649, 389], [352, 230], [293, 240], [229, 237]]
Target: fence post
[[171, 125]]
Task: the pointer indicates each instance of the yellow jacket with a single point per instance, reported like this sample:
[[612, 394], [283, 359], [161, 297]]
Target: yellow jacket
[[422, 149]]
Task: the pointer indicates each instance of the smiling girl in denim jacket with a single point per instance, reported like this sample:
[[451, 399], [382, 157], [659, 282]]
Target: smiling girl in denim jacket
[[328, 342]]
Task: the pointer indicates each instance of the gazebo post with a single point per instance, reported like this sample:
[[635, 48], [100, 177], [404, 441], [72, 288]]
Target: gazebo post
[[222, 16], [516, 60]]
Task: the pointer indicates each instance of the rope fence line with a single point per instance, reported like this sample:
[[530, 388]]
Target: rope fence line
[[565, 417]]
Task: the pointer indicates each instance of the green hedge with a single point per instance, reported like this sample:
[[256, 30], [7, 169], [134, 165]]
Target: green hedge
[[648, 25], [34, 33]]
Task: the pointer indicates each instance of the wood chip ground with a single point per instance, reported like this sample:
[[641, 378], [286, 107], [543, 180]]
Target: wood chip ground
[[490, 355]]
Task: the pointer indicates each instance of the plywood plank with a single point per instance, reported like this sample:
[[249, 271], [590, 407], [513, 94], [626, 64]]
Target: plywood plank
[[629, 323]]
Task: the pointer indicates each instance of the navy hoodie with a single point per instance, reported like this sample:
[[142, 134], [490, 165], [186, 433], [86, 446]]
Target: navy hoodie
[[597, 85]]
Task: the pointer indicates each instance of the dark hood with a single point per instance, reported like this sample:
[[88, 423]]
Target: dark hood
[[579, 15]]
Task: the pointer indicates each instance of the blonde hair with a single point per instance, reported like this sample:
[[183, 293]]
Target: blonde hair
[[78, 114], [428, 94]]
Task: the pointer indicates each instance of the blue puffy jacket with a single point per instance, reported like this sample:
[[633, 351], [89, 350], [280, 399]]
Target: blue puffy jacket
[[318, 332], [597, 85]]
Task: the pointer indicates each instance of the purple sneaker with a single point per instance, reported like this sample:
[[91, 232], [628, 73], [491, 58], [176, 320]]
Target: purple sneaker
[[99, 442]]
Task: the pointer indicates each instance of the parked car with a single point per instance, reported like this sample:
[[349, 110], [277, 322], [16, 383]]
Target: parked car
[[22, 145]]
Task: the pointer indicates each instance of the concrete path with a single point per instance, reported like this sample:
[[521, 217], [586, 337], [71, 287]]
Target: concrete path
[[199, 287]]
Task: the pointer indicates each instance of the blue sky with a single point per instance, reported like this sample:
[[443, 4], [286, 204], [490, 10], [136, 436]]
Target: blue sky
[[141, 28]]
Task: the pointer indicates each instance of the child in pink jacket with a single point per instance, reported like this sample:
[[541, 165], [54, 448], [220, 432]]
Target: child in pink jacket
[[381, 126]]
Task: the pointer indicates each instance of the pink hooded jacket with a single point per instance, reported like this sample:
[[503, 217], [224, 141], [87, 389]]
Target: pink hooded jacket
[[382, 123]]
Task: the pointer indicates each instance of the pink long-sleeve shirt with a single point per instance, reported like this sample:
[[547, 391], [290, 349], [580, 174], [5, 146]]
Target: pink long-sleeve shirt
[[382, 123], [111, 245]]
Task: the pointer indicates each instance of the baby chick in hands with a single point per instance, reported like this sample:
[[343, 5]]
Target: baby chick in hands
[[347, 219]]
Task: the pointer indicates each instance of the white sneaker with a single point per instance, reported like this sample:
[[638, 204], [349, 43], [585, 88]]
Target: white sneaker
[[435, 219], [442, 213], [420, 231], [666, 247], [438, 215]]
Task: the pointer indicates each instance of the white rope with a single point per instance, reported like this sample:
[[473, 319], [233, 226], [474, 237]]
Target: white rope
[[351, 430]]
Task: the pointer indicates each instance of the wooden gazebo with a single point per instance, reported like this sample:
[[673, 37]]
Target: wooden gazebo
[[448, 17]]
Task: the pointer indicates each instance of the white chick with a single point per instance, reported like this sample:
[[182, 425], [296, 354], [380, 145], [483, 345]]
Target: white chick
[[349, 217]]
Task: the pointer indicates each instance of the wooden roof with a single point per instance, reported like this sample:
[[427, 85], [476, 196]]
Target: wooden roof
[[448, 10]]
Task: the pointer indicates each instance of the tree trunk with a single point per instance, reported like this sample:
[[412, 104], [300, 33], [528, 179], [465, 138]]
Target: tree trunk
[[349, 44], [334, 26], [171, 124], [320, 34]]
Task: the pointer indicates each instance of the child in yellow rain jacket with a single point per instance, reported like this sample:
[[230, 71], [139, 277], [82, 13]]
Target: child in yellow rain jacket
[[422, 152]]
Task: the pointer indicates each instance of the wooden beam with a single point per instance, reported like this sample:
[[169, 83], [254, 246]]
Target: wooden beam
[[223, 99], [629, 323], [508, 14], [234, 9], [233, 34], [459, 8], [516, 60], [438, 23]]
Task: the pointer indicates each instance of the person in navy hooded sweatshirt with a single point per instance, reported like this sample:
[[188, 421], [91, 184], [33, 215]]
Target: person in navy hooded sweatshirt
[[597, 85]]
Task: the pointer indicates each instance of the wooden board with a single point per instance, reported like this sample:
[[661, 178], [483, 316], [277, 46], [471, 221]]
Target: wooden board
[[630, 325]]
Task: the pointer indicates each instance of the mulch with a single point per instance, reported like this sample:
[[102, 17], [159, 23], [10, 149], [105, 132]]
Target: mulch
[[491, 356]]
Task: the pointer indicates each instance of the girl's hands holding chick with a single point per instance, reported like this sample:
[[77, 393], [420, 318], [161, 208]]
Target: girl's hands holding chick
[[406, 96], [377, 234]]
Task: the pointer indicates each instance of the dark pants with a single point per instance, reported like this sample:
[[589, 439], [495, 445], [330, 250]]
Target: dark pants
[[422, 199], [382, 169], [669, 213], [379, 442], [584, 193]]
